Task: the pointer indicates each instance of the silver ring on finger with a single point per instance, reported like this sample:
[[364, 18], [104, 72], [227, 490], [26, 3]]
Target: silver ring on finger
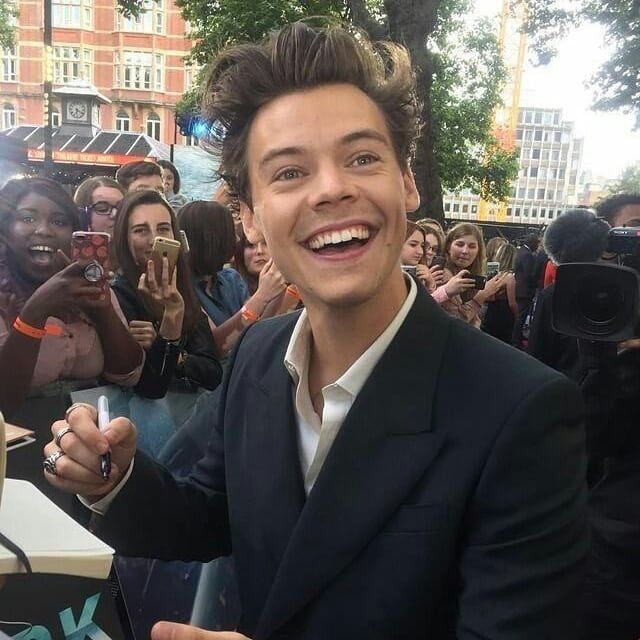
[[49, 463], [73, 407], [61, 434]]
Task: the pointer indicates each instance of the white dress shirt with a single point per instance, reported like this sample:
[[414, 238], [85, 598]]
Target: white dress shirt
[[316, 434]]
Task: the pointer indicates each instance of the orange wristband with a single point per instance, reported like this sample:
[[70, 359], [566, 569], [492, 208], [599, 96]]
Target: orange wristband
[[249, 315], [292, 291], [27, 330]]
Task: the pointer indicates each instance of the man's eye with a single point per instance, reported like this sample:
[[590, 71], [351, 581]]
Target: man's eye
[[364, 159], [60, 222], [289, 174], [27, 219]]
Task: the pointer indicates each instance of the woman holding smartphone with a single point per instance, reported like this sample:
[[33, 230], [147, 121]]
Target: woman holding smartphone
[[465, 253], [55, 325], [159, 301], [502, 308]]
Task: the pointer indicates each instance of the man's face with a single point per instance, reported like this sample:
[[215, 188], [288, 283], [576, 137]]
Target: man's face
[[628, 216], [147, 183], [329, 193]]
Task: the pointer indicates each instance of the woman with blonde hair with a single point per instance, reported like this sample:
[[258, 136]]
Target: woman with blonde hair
[[465, 253], [502, 309]]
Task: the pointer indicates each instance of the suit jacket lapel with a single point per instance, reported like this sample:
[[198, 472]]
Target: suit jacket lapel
[[380, 453], [263, 475]]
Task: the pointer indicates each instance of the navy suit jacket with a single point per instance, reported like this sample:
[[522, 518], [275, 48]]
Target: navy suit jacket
[[451, 504]]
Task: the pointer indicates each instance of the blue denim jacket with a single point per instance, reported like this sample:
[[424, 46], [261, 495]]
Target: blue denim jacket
[[229, 293]]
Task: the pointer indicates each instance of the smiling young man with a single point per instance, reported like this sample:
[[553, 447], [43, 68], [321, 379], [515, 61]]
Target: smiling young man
[[371, 478]]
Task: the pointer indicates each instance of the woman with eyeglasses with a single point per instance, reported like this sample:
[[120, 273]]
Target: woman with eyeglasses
[[98, 199]]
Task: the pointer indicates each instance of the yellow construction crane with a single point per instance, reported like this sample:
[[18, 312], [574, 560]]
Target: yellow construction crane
[[513, 48]]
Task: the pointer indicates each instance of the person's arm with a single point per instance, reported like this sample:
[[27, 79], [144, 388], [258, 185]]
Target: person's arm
[[270, 285], [511, 294], [524, 556], [198, 362], [122, 354], [18, 357]]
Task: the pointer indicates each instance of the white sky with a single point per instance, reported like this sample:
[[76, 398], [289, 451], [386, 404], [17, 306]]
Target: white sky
[[611, 144]]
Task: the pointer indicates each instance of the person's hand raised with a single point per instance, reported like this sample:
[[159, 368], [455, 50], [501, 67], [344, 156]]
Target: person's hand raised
[[495, 284], [459, 283], [143, 332], [423, 273], [270, 282], [165, 291], [67, 289], [78, 469]]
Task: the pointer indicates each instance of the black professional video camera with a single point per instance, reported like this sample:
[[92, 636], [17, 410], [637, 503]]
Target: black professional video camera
[[600, 301]]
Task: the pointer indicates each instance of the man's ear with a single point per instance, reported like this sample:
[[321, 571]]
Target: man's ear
[[412, 197], [250, 224]]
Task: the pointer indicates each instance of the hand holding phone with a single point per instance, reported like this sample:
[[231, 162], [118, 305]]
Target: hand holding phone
[[165, 248]]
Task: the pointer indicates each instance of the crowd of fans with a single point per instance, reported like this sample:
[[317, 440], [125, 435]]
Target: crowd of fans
[[155, 331]]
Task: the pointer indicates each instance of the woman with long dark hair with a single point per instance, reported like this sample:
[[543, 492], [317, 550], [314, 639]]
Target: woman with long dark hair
[[222, 292], [54, 324], [163, 312]]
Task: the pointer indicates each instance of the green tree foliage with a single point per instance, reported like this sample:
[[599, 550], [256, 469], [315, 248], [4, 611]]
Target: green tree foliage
[[8, 15], [628, 182], [469, 76], [617, 83], [458, 69]]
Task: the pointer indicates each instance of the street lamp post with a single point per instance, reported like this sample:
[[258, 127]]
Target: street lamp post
[[47, 87]]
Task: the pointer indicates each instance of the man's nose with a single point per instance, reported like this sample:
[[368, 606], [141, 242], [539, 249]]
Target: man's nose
[[332, 185]]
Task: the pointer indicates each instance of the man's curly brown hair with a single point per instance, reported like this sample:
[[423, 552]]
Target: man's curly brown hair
[[245, 77]]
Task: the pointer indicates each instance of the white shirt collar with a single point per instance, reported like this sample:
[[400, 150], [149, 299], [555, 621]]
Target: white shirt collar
[[296, 358]]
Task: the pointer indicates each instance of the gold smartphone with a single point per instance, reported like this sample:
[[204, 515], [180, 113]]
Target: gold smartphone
[[165, 248]]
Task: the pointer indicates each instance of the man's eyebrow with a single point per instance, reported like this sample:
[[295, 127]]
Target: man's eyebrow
[[365, 134], [140, 224], [354, 136], [280, 151]]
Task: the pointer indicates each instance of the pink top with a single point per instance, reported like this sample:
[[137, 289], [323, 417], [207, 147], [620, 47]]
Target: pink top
[[440, 295], [75, 354]]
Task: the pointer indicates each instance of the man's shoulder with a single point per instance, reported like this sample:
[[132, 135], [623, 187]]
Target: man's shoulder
[[268, 335], [495, 368]]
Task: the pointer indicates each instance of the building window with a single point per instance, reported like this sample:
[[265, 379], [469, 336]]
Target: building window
[[9, 65], [509, 211], [123, 121], [538, 117], [150, 20], [139, 70], [528, 134], [474, 208], [533, 172], [538, 135], [8, 116], [535, 154], [534, 213], [557, 136], [71, 63], [55, 117], [447, 206], [465, 208], [517, 211], [456, 207], [550, 214], [191, 141], [153, 126], [190, 76], [72, 13]]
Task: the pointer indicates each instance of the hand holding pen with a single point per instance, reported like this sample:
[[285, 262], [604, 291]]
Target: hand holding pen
[[89, 454]]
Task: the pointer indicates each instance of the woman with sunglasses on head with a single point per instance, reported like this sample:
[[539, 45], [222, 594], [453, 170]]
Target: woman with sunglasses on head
[[98, 199], [54, 323]]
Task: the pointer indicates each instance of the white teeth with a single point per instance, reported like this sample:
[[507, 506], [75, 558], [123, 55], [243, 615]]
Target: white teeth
[[42, 248], [338, 237]]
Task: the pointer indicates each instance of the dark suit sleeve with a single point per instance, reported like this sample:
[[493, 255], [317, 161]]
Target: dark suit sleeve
[[157, 516], [524, 557]]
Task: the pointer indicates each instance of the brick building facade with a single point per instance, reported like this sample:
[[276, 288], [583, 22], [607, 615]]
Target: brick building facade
[[139, 64]]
